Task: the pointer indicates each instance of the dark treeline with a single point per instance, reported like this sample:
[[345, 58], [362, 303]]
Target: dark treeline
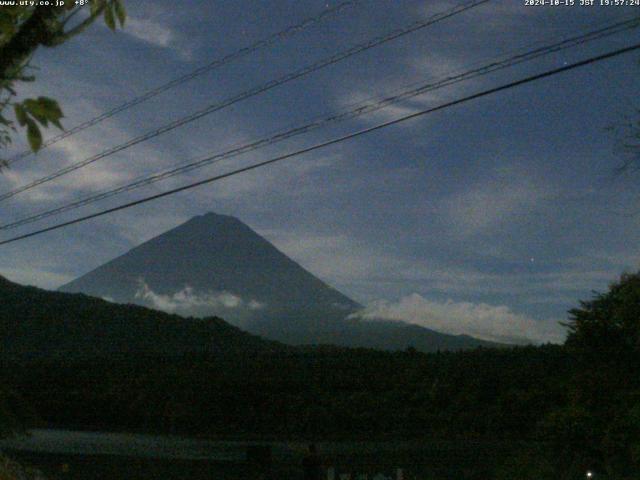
[[320, 393], [565, 408]]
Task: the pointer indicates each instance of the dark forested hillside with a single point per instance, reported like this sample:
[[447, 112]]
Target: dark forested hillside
[[38, 323]]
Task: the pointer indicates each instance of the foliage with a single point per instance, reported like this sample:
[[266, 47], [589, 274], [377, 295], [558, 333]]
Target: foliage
[[529, 464], [15, 412], [609, 324], [600, 425], [11, 470], [621, 442], [23, 29]]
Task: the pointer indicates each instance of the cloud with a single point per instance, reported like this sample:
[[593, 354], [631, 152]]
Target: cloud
[[157, 34], [188, 302], [150, 32], [488, 322], [66, 153], [398, 110], [83, 181]]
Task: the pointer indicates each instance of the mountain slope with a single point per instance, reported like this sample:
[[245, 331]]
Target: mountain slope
[[36, 322], [216, 265]]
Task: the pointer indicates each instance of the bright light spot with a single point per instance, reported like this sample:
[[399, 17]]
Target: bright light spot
[[589, 474]]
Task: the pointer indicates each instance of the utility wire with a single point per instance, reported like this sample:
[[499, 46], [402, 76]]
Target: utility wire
[[334, 141], [250, 93], [361, 109], [243, 52]]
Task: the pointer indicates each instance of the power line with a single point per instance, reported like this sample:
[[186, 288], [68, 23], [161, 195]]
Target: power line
[[334, 141], [250, 93], [361, 109], [243, 52]]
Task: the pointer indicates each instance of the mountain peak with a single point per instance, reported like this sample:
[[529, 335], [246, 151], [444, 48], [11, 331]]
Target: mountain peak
[[216, 216], [211, 218], [214, 221]]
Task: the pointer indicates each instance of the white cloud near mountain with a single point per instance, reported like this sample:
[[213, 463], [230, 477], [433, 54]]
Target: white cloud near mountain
[[489, 322], [189, 302]]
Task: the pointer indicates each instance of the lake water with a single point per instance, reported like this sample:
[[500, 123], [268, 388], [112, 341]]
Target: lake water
[[173, 447], [125, 444], [123, 456], [78, 455]]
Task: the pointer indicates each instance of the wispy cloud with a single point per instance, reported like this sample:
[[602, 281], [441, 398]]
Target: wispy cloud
[[157, 33], [490, 203], [150, 31], [489, 322]]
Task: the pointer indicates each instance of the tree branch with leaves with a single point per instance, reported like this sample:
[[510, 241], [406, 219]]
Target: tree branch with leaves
[[25, 29]]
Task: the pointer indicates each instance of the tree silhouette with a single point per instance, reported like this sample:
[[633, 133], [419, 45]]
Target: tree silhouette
[[24, 29], [609, 323]]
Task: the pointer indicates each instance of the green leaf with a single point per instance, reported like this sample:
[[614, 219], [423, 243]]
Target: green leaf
[[96, 5], [57, 123], [121, 13], [44, 110], [51, 106], [7, 26], [52, 111], [21, 114], [33, 135], [109, 19], [36, 110]]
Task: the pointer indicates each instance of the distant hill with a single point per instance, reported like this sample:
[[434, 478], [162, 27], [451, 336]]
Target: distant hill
[[216, 265], [39, 323]]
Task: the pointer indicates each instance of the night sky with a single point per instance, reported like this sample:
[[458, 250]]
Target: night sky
[[491, 218]]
